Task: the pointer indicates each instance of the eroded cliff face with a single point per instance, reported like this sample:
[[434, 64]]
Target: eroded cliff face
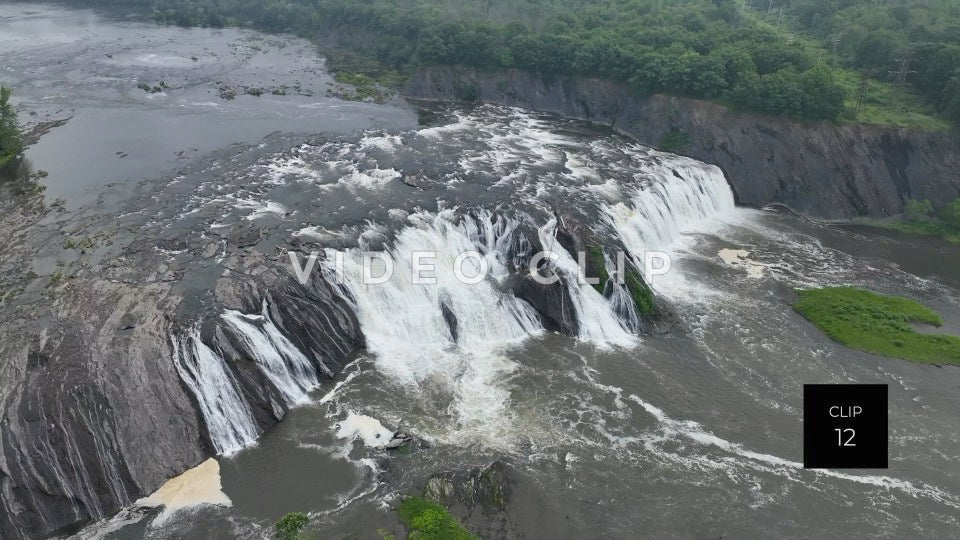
[[95, 406], [820, 170]]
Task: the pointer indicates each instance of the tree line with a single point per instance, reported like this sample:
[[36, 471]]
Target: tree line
[[698, 48], [776, 57], [877, 35]]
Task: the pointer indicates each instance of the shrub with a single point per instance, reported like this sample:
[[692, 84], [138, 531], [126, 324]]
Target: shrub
[[918, 209], [290, 526], [675, 141], [430, 521], [951, 213]]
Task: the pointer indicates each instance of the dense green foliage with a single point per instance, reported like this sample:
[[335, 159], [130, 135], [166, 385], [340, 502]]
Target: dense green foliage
[[703, 48], [428, 520], [776, 56], [871, 34], [921, 218], [290, 526], [11, 144], [878, 324]]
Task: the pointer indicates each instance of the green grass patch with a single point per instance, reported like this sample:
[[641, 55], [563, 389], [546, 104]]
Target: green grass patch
[[641, 294], [929, 228], [885, 104], [596, 256], [675, 141], [365, 87], [878, 324], [428, 520]]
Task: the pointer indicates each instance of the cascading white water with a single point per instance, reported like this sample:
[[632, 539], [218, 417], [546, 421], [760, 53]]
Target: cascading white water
[[595, 319], [228, 417], [227, 414], [288, 369], [454, 334], [666, 206], [405, 327], [620, 300]]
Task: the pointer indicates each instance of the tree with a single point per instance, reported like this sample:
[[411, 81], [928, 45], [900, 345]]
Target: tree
[[824, 95], [877, 49], [11, 144], [951, 213]]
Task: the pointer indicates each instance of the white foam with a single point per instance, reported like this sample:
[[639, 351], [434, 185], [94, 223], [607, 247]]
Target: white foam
[[694, 432], [405, 327], [677, 197], [363, 427]]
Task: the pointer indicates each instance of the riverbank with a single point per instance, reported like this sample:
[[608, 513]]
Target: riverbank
[[821, 170]]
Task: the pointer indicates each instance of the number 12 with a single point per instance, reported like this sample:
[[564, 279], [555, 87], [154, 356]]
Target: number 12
[[841, 433]]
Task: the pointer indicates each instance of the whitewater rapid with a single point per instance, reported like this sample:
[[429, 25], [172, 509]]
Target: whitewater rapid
[[496, 182]]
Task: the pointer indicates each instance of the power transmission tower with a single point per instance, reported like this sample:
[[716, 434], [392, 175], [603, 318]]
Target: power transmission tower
[[861, 91], [904, 58], [835, 40]]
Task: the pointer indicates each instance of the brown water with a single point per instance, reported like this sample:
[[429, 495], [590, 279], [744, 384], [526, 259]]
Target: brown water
[[691, 434]]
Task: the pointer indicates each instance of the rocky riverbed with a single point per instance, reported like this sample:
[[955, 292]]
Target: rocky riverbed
[[151, 319]]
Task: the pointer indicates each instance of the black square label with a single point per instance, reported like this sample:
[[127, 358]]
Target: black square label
[[845, 426]]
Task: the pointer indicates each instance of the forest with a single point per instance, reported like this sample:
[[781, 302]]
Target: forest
[[806, 59]]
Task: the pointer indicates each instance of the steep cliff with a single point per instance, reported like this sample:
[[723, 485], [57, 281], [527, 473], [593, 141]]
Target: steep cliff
[[821, 170], [98, 403]]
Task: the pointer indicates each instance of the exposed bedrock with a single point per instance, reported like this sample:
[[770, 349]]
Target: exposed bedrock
[[99, 415], [499, 501], [820, 170]]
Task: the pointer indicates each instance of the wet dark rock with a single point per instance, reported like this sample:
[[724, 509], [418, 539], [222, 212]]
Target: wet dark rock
[[243, 237], [552, 302], [395, 443], [98, 416], [498, 501], [450, 318]]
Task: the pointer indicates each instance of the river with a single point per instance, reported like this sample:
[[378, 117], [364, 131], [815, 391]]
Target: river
[[692, 430]]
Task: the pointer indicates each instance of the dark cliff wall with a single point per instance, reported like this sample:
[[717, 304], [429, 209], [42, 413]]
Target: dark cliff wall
[[821, 170], [93, 413]]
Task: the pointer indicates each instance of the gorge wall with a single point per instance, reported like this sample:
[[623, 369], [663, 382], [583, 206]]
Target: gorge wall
[[821, 170]]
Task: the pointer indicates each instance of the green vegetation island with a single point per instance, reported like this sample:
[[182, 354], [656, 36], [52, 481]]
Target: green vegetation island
[[852, 61], [878, 324]]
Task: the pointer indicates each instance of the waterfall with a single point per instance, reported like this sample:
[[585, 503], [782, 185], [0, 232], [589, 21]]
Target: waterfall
[[227, 415], [410, 326], [450, 333], [292, 373], [407, 320], [673, 198], [595, 318], [208, 375]]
